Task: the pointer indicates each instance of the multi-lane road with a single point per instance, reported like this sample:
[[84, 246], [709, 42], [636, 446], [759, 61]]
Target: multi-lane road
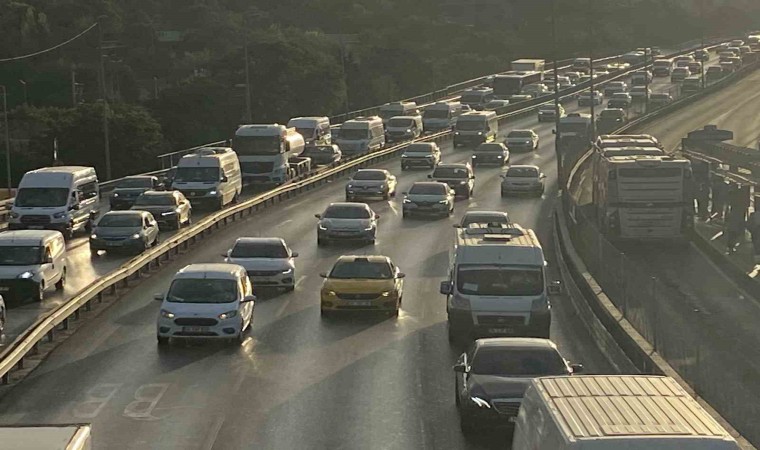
[[299, 381]]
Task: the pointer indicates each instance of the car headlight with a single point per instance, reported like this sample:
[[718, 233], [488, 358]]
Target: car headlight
[[369, 228], [27, 275], [93, 236], [168, 213], [115, 194], [456, 133], [167, 314], [287, 271], [349, 186], [480, 133], [329, 293], [462, 182], [15, 215], [480, 402], [213, 192], [499, 156], [386, 294], [228, 315], [322, 227], [136, 236], [408, 131], [60, 215], [474, 156]]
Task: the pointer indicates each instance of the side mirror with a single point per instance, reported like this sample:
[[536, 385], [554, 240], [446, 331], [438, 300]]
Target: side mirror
[[294, 255], [248, 299], [227, 254], [460, 367], [576, 368], [554, 288], [430, 176], [158, 297], [323, 275], [74, 207], [401, 275], [445, 288], [377, 216], [318, 216]]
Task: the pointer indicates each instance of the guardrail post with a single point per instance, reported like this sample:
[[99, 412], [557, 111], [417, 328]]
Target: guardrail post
[[6, 378], [88, 305], [35, 348], [76, 314], [20, 364], [65, 324], [50, 335]]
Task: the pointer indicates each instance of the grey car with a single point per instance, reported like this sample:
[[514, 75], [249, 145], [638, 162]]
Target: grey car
[[421, 154], [494, 153], [371, 183], [521, 179], [525, 140], [429, 198], [132, 231], [169, 208], [347, 222], [128, 189]]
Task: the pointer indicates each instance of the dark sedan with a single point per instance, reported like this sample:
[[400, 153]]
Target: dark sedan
[[492, 376], [128, 189], [322, 155]]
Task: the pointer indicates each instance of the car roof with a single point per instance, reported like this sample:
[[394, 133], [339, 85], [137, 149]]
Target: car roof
[[368, 258], [26, 237], [428, 183], [138, 177], [259, 240], [158, 193], [523, 130], [128, 212], [211, 270], [383, 171], [349, 204], [516, 343], [453, 165], [524, 166]]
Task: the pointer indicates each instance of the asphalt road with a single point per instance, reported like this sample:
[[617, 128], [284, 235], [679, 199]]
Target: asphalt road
[[299, 381]]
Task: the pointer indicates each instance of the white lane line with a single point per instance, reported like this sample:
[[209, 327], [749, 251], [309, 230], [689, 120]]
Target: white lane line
[[282, 308], [208, 444], [299, 280]]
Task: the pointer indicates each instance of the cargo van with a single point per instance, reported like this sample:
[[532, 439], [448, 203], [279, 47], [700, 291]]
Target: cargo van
[[496, 284], [401, 128], [393, 109], [609, 412], [361, 135], [476, 98], [31, 262], [662, 67], [209, 177], [441, 116], [315, 130], [65, 199], [475, 128]]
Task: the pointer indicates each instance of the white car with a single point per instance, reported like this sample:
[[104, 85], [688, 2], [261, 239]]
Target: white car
[[523, 178], [347, 222], [526, 140], [268, 261], [206, 301]]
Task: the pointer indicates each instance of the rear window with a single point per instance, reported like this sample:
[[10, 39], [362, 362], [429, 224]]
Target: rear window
[[121, 220], [346, 212], [419, 149], [369, 175], [517, 362], [522, 172], [428, 189], [259, 250], [450, 172]]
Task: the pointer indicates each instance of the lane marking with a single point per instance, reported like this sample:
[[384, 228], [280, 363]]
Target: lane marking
[[208, 444], [145, 401], [96, 398], [282, 308]]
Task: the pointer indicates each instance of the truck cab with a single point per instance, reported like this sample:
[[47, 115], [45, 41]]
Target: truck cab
[[265, 150]]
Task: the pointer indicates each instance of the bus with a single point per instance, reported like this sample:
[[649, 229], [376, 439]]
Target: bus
[[512, 83], [643, 197]]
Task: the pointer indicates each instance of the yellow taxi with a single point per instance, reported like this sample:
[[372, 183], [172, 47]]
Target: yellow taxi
[[362, 283]]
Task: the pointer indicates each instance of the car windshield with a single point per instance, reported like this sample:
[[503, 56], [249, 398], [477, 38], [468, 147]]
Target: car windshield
[[361, 269], [490, 148], [485, 218], [197, 174], [415, 148], [121, 220], [472, 98], [129, 183], [202, 290], [470, 125], [155, 200], [436, 114], [520, 134], [41, 197], [549, 108], [522, 172], [259, 250], [428, 189], [257, 145], [346, 212], [305, 132], [450, 172], [499, 280], [319, 151], [400, 123], [369, 175], [610, 113], [18, 255], [353, 134], [513, 362]]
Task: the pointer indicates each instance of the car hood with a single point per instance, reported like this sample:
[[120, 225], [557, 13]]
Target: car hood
[[425, 198], [358, 286], [453, 181], [366, 183], [155, 210], [345, 224], [497, 387], [129, 191], [510, 180], [11, 272], [116, 231], [262, 263]]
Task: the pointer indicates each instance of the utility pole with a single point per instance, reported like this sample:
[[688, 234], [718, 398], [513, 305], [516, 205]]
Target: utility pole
[[342, 43], [248, 115], [592, 23], [106, 139], [557, 150], [7, 140], [73, 86], [702, 27]]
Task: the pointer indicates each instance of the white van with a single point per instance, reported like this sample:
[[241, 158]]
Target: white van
[[210, 176], [475, 128], [401, 128], [76, 436], [496, 284], [610, 412], [315, 130], [361, 135], [206, 301], [441, 116], [31, 262], [65, 199], [393, 109]]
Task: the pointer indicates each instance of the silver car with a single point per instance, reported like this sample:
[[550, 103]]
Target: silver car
[[371, 183], [133, 231], [421, 154], [429, 197], [347, 222], [268, 261], [526, 140], [521, 179], [169, 208]]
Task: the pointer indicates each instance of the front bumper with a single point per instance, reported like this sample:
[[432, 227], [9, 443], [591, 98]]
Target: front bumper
[[433, 208], [395, 137], [487, 159], [520, 146], [367, 193], [418, 162], [63, 227], [462, 324], [521, 187], [274, 278], [199, 328], [18, 288], [354, 303], [346, 235]]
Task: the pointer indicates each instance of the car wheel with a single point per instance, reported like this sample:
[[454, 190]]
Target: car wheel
[[40, 294], [372, 241], [321, 242], [178, 224], [62, 282], [162, 340]]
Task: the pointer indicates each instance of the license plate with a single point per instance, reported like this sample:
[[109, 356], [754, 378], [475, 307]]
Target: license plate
[[111, 244], [360, 303], [4, 289], [501, 330], [194, 329]]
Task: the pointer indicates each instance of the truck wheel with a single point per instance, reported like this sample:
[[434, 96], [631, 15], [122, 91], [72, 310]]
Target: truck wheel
[[40, 294]]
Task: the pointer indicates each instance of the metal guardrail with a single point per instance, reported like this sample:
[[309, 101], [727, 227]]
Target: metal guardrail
[[12, 357]]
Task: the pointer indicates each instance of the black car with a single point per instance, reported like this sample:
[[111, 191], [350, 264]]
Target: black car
[[490, 379], [459, 177], [128, 189], [322, 155]]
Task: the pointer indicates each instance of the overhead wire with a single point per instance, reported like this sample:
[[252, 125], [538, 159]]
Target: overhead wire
[[57, 46]]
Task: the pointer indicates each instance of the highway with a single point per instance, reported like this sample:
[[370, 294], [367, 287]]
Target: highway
[[298, 381]]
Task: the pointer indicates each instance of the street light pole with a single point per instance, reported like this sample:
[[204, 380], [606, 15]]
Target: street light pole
[[106, 139], [557, 150], [702, 27], [26, 94], [7, 140]]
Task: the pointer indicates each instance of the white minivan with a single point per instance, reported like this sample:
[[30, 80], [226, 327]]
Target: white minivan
[[315, 130], [206, 301], [211, 176], [361, 135], [65, 198], [31, 262]]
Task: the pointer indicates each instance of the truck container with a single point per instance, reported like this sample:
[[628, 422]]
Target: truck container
[[528, 65]]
